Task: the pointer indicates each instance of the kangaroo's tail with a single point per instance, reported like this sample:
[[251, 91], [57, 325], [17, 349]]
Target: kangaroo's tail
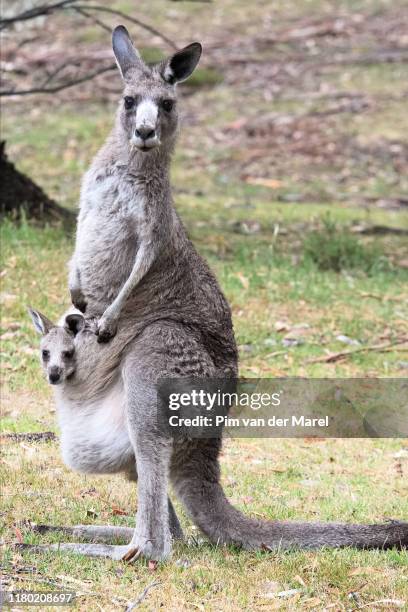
[[195, 475]]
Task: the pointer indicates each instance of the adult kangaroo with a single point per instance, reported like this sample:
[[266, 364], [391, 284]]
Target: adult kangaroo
[[135, 271]]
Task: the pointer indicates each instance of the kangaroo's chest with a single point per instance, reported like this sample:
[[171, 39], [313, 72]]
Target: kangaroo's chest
[[112, 217]]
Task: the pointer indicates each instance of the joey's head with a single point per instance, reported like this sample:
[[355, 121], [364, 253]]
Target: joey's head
[[147, 114], [57, 345]]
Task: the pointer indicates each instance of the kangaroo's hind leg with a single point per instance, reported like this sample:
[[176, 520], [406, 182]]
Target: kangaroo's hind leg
[[164, 350], [107, 534]]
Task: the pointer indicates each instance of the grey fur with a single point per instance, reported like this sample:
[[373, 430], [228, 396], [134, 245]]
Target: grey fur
[[174, 322]]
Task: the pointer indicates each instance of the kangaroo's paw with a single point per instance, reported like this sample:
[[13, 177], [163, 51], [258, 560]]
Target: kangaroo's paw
[[106, 534], [106, 329]]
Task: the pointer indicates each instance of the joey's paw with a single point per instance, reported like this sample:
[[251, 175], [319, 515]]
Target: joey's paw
[[78, 299], [106, 329]]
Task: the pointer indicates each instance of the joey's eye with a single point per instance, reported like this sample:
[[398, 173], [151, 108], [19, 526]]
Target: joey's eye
[[45, 354], [68, 354], [129, 102], [167, 105]]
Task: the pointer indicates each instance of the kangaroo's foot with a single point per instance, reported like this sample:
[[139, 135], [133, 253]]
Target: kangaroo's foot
[[107, 551], [104, 542], [118, 552], [105, 534]]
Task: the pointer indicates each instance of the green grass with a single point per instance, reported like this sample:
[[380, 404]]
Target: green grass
[[333, 248]]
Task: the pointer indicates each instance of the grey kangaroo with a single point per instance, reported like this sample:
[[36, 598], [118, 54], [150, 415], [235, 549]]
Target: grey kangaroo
[[144, 288]]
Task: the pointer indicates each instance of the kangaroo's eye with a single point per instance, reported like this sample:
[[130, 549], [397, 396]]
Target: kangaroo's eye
[[68, 354], [45, 354], [129, 102], [167, 105]]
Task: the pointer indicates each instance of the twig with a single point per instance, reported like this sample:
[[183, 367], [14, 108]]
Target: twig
[[56, 88], [92, 18], [274, 354], [37, 11], [43, 436], [142, 24], [142, 596], [59, 69], [333, 357], [382, 298], [380, 229], [46, 9]]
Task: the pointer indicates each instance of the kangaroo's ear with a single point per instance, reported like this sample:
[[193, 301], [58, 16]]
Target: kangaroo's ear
[[74, 323], [127, 56], [180, 65], [41, 323]]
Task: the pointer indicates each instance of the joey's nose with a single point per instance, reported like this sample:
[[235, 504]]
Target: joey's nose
[[54, 375], [145, 133]]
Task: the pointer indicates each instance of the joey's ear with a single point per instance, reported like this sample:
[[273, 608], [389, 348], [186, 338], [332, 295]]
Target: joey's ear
[[74, 323], [180, 65], [41, 323], [127, 56]]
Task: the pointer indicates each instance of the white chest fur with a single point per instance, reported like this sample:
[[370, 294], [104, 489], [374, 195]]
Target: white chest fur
[[94, 434], [112, 193], [111, 223]]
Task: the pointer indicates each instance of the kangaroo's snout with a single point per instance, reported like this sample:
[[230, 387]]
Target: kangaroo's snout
[[54, 375], [145, 132]]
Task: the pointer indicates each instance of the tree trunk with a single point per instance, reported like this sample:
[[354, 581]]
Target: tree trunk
[[20, 195]]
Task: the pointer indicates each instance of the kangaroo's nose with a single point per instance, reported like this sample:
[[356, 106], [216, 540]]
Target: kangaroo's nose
[[145, 132], [54, 375]]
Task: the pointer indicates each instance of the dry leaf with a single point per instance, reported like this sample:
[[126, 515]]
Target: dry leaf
[[118, 511], [19, 535], [361, 571], [312, 602], [9, 335], [281, 326], [243, 280], [264, 182]]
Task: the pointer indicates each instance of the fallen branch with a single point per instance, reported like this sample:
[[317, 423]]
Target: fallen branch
[[380, 348], [372, 230], [142, 596], [43, 436], [382, 298]]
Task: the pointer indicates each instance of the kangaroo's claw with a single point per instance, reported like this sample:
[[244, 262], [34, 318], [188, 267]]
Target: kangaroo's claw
[[106, 329]]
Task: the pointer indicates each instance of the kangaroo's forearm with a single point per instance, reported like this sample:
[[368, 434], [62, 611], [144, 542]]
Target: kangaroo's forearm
[[144, 259]]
